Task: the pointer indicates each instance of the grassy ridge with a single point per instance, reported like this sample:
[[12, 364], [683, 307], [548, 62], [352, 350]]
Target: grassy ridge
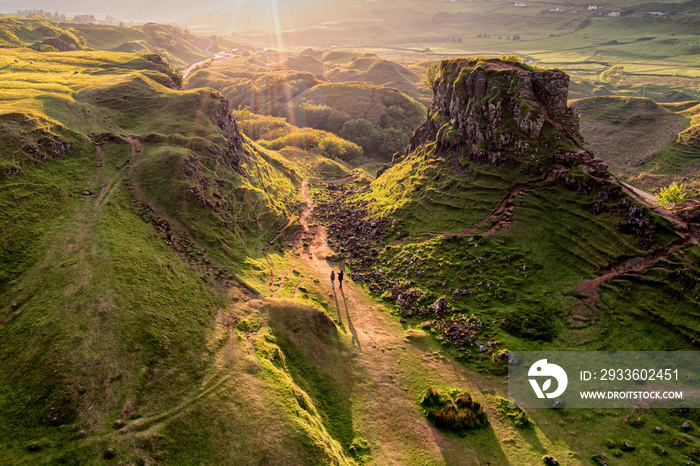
[[644, 142], [103, 325], [378, 118], [428, 194], [175, 45]]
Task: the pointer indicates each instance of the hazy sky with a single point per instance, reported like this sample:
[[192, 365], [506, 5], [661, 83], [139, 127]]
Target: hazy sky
[[171, 9], [174, 9]]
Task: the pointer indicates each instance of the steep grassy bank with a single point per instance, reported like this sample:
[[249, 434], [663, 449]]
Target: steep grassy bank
[[116, 344]]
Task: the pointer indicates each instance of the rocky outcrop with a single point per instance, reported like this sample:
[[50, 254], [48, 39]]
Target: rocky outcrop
[[494, 111], [232, 140], [29, 141]]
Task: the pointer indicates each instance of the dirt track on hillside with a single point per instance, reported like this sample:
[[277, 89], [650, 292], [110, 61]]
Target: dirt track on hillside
[[390, 364]]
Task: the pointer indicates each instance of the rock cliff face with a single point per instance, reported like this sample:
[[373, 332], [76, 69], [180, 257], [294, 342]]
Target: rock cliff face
[[494, 111], [232, 141]]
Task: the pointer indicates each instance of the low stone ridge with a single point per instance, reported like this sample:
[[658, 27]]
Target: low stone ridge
[[494, 111], [232, 138]]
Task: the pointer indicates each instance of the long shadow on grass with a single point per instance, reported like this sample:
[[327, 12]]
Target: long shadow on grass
[[485, 447], [316, 359], [355, 339], [337, 309]]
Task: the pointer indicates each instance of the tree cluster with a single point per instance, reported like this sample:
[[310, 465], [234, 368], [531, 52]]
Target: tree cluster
[[614, 75]]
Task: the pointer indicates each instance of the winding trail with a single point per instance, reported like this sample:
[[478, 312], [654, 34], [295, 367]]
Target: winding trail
[[393, 363], [628, 265], [348, 179], [639, 264], [214, 56], [499, 217]]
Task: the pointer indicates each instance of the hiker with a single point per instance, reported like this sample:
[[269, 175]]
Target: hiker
[[168, 235], [340, 279], [333, 279]]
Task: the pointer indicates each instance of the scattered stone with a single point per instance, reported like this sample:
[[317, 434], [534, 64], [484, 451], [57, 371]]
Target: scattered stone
[[118, 424], [549, 460], [109, 453], [440, 305], [34, 447], [598, 459], [685, 425], [627, 447]]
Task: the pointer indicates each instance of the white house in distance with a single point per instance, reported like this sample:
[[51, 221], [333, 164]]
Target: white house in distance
[[614, 13], [592, 7], [520, 4]]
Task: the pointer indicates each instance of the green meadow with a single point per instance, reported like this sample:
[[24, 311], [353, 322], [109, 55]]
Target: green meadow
[[227, 345]]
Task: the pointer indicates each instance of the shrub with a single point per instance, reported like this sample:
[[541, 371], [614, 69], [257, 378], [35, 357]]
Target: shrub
[[671, 195], [514, 413], [511, 57], [362, 132], [459, 414], [430, 77], [614, 75], [325, 143]]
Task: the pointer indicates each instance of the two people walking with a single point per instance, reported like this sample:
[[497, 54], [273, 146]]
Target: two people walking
[[340, 279]]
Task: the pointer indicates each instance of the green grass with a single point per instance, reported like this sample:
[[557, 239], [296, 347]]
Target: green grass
[[89, 323], [428, 196], [101, 319], [515, 285], [305, 101], [174, 44], [644, 142], [624, 131]]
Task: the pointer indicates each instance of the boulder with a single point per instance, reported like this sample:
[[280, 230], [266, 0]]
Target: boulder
[[440, 305]]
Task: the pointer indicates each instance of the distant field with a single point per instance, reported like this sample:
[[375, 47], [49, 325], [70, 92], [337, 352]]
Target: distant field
[[653, 49]]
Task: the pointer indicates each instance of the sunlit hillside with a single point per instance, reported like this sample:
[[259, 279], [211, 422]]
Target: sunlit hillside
[[297, 232]]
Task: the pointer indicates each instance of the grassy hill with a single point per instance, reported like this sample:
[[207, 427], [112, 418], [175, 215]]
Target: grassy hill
[[226, 345], [474, 252], [623, 131], [114, 342], [650, 144], [177, 46], [377, 118]]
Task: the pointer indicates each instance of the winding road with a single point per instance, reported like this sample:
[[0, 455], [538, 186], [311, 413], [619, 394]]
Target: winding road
[[214, 56]]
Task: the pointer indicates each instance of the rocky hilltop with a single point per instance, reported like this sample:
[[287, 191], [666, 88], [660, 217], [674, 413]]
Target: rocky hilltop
[[495, 111]]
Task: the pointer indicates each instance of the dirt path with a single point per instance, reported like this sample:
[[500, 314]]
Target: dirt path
[[499, 217], [629, 265], [389, 364], [348, 179], [214, 56], [633, 265]]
